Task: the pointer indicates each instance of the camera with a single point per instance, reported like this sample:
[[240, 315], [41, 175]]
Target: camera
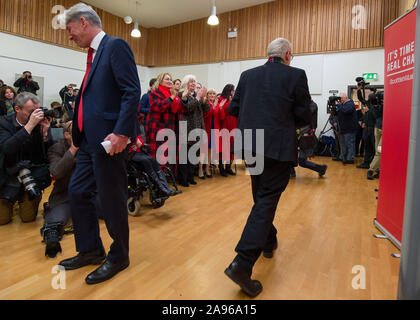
[[362, 82], [332, 104], [50, 113], [26, 179]]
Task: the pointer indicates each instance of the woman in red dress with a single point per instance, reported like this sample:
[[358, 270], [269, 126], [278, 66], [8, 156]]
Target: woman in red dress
[[230, 123]]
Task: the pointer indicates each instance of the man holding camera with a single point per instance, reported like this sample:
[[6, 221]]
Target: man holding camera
[[24, 141], [347, 122], [68, 95], [26, 83]]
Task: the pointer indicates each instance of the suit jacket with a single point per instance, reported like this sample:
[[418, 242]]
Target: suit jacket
[[62, 163], [273, 97], [111, 96]]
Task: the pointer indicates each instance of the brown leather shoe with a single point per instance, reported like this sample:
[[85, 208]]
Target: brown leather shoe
[[238, 275]]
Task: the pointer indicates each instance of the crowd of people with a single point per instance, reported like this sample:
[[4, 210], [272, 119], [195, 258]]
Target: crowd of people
[[33, 154], [358, 132]]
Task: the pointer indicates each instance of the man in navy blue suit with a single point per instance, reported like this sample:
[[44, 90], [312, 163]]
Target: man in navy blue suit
[[106, 111]]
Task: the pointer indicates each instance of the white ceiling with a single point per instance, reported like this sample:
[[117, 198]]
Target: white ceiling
[[163, 13]]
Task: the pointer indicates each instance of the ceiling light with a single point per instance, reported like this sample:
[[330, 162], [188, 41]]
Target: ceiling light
[[136, 32], [128, 20], [213, 19]]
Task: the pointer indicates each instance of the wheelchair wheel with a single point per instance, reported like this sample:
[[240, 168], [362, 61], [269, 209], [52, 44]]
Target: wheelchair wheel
[[133, 207]]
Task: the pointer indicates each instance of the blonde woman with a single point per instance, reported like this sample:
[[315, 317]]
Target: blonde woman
[[164, 106]]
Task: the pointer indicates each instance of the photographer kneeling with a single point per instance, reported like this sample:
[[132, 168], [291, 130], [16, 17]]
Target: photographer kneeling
[[24, 141], [62, 159]]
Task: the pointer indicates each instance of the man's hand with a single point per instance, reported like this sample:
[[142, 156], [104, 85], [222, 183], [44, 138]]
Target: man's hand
[[36, 117], [118, 143], [45, 125], [73, 150]]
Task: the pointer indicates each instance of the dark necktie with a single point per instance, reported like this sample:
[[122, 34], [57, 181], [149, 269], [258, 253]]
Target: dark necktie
[[80, 112]]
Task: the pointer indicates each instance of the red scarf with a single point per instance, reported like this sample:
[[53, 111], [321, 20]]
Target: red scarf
[[165, 90]]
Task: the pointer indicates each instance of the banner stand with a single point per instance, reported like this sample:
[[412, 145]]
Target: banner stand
[[399, 43], [387, 236]]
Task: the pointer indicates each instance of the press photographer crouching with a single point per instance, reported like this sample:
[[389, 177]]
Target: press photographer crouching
[[62, 160], [24, 142]]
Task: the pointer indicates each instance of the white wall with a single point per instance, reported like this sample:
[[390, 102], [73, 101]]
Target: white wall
[[57, 65], [60, 66], [333, 71]]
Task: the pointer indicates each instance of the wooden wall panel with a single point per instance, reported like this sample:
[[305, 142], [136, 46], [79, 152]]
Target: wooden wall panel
[[313, 26], [33, 19]]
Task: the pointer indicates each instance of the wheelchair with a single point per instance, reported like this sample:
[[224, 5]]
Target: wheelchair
[[140, 182]]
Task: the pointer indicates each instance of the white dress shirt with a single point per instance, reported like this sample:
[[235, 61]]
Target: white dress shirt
[[96, 42]]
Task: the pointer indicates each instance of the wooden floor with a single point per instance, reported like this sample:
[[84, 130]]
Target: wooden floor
[[181, 250]]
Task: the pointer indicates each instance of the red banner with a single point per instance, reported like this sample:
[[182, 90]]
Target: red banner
[[399, 74]]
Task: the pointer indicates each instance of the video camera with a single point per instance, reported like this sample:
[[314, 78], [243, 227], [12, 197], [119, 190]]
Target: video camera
[[332, 104], [362, 82]]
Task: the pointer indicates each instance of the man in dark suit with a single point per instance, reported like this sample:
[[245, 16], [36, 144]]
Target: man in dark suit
[[275, 98], [106, 111]]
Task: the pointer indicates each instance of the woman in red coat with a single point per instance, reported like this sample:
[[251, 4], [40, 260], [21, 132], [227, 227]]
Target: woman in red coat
[[230, 123], [212, 120], [164, 108]]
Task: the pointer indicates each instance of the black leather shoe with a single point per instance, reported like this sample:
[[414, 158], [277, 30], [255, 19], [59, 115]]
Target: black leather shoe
[[270, 253], [106, 271], [336, 159], [238, 275], [363, 166], [192, 182], [370, 175], [84, 259], [229, 171], [323, 171]]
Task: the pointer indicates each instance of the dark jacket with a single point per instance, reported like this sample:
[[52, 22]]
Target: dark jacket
[[111, 96], [314, 111], [62, 163], [377, 112], [369, 119], [67, 99], [347, 117], [273, 97], [145, 103], [24, 86], [17, 144], [194, 113]]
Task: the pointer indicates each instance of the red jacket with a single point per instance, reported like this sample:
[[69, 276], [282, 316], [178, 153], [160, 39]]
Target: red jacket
[[162, 115]]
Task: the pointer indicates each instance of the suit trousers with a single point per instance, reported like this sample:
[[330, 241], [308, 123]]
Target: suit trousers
[[98, 173], [259, 233]]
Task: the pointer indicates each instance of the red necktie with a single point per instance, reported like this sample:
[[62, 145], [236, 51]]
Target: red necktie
[[80, 112]]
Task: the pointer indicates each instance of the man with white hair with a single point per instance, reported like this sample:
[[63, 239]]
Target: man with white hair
[[347, 123], [275, 98], [105, 111]]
